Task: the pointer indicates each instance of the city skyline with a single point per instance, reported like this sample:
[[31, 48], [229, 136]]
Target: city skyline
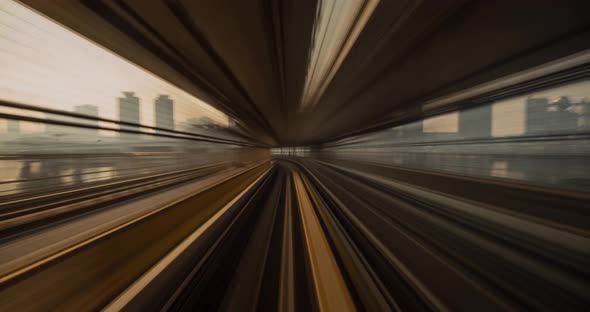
[[58, 63]]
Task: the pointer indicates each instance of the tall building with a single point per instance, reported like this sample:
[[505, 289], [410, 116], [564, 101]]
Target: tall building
[[536, 115], [543, 117], [584, 112], [129, 112], [476, 122], [562, 117], [164, 112]]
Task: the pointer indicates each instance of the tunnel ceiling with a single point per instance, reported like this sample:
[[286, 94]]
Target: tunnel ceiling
[[250, 57]]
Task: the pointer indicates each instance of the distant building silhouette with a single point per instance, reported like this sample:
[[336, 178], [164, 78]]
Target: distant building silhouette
[[562, 116], [164, 112], [543, 116], [476, 122], [129, 112], [536, 115], [584, 119]]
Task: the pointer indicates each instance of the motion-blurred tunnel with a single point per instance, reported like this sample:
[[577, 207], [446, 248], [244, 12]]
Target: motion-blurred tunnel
[[294, 155]]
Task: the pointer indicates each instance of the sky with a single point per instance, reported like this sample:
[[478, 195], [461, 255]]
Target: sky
[[44, 64]]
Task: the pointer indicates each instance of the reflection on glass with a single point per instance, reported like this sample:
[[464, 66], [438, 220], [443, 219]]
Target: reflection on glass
[[541, 137]]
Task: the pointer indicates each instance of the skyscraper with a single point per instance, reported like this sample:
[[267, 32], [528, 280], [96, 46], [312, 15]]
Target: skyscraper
[[562, 117], [164, 112], [584, 119], [476, 122], [557, 116], [129, 112], [536, 115]]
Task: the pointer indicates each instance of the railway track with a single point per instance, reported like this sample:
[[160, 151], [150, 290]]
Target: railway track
[[298, 234], [26, 213], [90, 273], [452, 254]]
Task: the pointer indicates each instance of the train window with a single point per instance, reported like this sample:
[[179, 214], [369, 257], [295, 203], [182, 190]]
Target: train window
[[46, 65], [538, 137]]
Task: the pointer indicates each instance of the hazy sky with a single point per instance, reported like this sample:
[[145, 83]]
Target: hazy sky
[[45, 64]]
